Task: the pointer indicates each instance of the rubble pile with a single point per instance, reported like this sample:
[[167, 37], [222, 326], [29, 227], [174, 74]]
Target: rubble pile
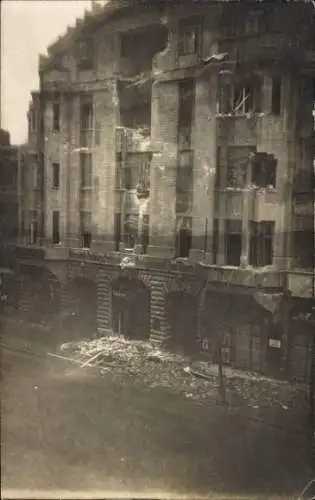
[[146, 364]]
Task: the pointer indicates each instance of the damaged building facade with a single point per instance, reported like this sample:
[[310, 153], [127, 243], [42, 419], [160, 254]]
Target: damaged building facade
[[173, 146]]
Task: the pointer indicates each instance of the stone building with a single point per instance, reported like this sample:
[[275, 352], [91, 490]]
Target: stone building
[[173, 144]]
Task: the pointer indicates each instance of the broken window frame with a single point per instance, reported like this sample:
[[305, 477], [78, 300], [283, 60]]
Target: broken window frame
[[239, 98], [261, 243]]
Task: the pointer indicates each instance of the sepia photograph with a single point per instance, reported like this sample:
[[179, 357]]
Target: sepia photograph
[[157, 249]]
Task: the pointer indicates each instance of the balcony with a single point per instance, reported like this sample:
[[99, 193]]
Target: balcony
[[130, 140]]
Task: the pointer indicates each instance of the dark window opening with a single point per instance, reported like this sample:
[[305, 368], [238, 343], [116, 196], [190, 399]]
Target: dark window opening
[[189, 36], [276, 96], [56, 117], [185, 112], [303, 248], [233, 242], [264, 170], [184, 238], [117, 230], [56, 175], [261, 243], [215, 241], [86, 233], [86, 239], [56, 228], [86, 170], [145, 234], [218, 168]]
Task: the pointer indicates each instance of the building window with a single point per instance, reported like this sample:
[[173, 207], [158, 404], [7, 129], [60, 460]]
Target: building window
[[183, 237], [86, 54], [32, 120], [56, 175], [253, 23], [233, 242], [33, 229], [215, 241], [86, 232], [303, 249], [261, 243], [86, 170], [239, 99], [185, 113], [264, 170], [56, 228], [131, 225], [56, 117], [276, 96], [117, 231], [238, 161], [145, 234], [189, 36], [86, 113], [184, 187]]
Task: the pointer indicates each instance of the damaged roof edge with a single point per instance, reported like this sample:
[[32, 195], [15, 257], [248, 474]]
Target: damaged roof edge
[[100, 13]]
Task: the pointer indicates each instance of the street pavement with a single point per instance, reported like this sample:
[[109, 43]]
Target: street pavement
[[64, 427]]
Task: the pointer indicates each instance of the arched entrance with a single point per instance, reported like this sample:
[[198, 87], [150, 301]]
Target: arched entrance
[[131, 309], [84, 308], [183, 319]]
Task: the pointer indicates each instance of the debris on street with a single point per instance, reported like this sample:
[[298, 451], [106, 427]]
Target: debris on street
[[145, 363]]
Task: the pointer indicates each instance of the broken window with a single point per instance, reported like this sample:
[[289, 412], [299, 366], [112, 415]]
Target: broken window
[[185, 112], [184, 184], [183, 237], [303, 248], [264, 170], [86, 229], [131, 228], [261, 243], [117, 231], [240, 98], [189, 36], [56, 116], [276, 95], [238, 160], [233, 242], [56, 227], [86, 170]]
